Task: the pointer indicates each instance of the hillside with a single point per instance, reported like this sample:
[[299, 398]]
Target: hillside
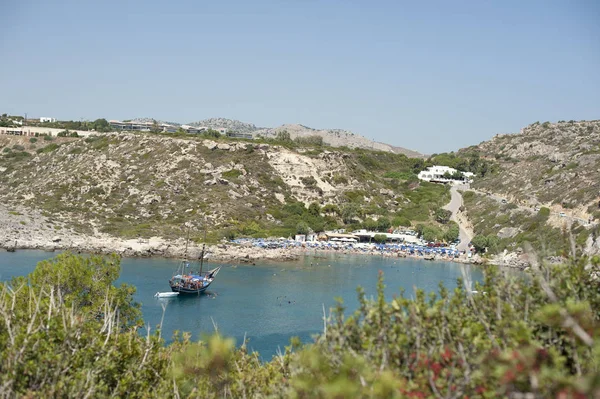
[[331, 137], [547, 181], [551, 164], [336, 138], [143, 185]]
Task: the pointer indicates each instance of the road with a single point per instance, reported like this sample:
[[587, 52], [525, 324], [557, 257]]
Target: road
[[456, 201]]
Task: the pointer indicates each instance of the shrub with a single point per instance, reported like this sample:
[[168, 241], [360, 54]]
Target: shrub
[[383, 224], [48, 138], [232, 174], [308, 181], [47, 149], [380, 238], [442, 215], [521, 337], [401, 221], [544, 212], [33, 140]]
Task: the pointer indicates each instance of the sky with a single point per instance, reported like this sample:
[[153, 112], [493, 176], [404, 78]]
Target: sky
[[433, 76]]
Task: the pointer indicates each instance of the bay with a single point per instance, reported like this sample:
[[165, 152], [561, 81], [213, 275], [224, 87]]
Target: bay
[[269, 302]]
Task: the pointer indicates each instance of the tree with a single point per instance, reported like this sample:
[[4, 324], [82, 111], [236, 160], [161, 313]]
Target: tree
[[302, 228], [431, 234], [383, 224], [480, 243], [442, 215], [401, 221], [155, 127], [67, 331], [211, 133], [86, 282], [452, 233], [331, 209], [370, 224], [314, 209], [348, 212], [380, 238], [283, 136], [101, 125]]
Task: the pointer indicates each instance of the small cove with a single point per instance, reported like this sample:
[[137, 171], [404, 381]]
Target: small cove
[[268, 302]]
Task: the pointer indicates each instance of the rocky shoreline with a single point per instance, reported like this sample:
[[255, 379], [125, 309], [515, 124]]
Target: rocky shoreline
[[29, 229], [224, 252]]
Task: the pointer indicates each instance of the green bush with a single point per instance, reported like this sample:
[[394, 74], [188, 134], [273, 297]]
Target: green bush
[[47, 149], [232, 174], [33, 140], [380, 238], [302, 228], [401, 221], [67, 328], [442, 215], [383, 224]]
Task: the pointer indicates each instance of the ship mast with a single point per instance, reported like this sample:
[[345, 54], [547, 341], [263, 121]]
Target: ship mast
[[203, 246]]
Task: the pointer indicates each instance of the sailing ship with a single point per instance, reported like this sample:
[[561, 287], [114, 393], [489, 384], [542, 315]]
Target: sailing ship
[[186, 281]]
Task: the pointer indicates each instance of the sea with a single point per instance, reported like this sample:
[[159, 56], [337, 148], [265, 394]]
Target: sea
[[268, 302]]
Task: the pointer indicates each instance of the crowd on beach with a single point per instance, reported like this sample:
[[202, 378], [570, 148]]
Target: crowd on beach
[[389, 249]]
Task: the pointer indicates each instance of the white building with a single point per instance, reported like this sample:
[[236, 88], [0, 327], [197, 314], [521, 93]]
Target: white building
[[44, 119], [436, 174]]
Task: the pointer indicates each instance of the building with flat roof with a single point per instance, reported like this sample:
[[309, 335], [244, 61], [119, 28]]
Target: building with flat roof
[[237, 135], [440, 174]]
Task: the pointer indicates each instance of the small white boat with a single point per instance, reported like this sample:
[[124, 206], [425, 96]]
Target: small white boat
[[166, 294]]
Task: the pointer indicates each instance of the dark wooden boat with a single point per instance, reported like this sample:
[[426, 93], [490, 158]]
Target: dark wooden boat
[[187, 281]]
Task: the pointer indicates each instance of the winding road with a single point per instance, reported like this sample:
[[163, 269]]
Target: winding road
[[465, 234]]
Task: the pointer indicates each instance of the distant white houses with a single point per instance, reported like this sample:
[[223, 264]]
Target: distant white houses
[[45, 119], [139, 126], [40, 131], [440, 174]]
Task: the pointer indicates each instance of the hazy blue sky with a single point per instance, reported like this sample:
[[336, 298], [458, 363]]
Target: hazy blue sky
[[430, 76]]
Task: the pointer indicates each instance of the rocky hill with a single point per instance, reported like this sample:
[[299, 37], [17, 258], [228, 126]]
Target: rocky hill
[[550, 164], [143, 185], [331, 137], [336, 138], [229, 124], [547, 183]]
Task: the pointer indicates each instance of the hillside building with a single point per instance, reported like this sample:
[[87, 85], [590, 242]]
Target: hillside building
[[236, 135], [439, 174], [45, 119]]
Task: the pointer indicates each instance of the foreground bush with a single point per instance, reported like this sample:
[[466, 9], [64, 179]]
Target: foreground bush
[[66, 331]]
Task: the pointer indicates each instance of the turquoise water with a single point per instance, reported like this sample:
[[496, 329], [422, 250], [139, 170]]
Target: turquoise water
[[269, 302]]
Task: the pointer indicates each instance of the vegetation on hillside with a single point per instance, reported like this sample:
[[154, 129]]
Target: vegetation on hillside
[[68, 336], [547, 164], [150, 184], [489, 218]]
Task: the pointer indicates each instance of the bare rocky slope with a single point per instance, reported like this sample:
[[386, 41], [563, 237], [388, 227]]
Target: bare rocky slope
[[332, 137]]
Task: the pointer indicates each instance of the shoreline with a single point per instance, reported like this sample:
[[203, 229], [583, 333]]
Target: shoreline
[[23, 229], [236, 253]]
